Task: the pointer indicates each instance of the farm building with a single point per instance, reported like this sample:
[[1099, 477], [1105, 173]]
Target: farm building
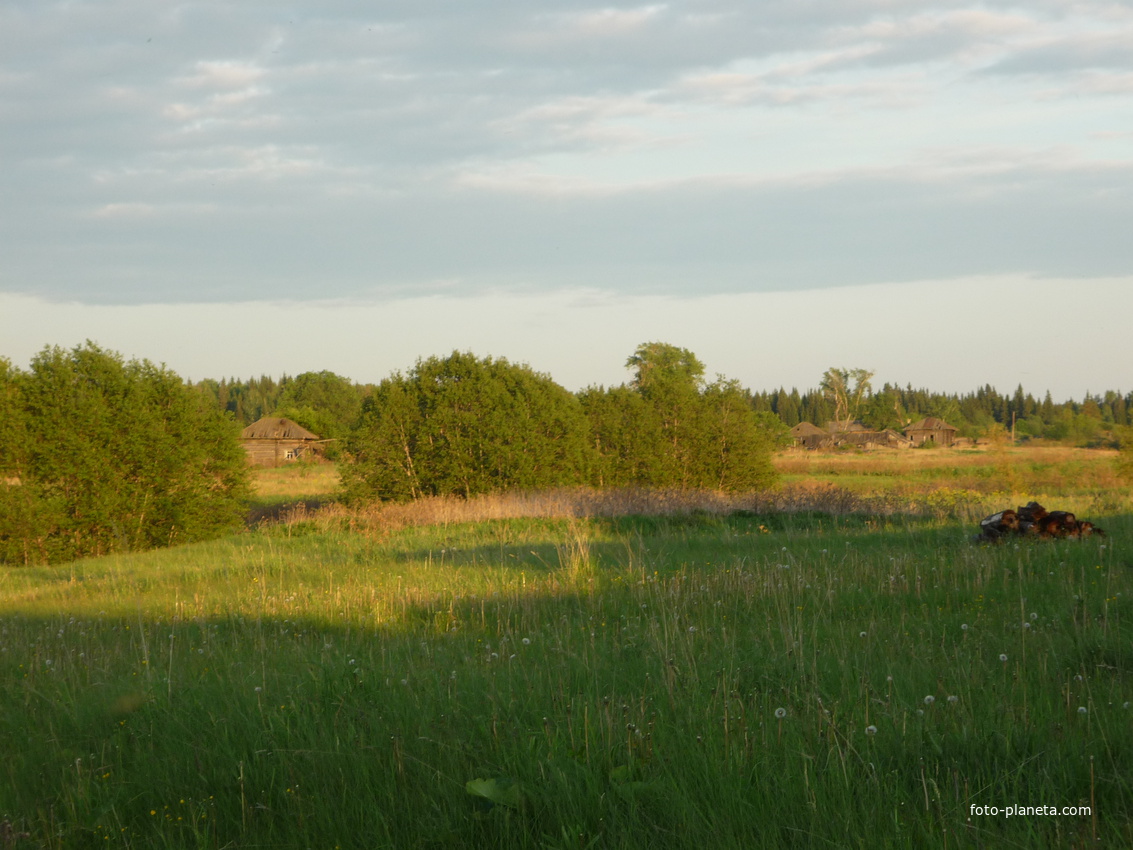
[[811, 436], [931, 430], [854, 434], [272, 441]]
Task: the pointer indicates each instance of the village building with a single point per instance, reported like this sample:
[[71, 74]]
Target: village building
[[273, 441], [931, 430], [809, 436], [838, 434]]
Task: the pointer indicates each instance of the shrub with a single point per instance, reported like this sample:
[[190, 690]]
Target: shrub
[[103, 455]]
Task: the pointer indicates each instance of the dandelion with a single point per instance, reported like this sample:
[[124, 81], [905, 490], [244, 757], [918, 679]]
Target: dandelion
[[780, 713], [259, 689], [953, 699], [1003, 656], [963, 627], [1125, 705], [1026, 625], [871, 730], [929, 700], [1034, 616], [526, 641], [861, 634], [1082, 709], [691, 629]]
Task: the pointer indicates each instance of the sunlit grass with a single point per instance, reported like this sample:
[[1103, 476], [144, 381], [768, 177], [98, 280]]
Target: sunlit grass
[[616, 682]]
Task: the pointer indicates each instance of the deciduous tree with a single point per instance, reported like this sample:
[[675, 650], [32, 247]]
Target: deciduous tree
[[115, 455], [462, 425]]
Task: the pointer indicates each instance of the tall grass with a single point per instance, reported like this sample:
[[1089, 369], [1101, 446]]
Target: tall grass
[[697, 679]]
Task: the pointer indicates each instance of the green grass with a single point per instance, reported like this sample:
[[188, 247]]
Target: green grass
[[615, 684]]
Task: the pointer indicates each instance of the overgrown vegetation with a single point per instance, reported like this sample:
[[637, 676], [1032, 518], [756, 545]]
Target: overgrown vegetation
[[755, 680], [101, 455]]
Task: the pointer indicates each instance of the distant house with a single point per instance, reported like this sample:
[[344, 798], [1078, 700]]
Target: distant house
[[811, 436], [272, 441], [854, 434], [931, 430]]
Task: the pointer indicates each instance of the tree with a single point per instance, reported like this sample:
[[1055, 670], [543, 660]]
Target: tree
[[668, 429], [125, 456], [462, 425], [846, 389], [322, 402], [660, 367]]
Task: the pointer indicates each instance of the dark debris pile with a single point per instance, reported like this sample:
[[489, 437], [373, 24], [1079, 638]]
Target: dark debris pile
[[1033, 520]]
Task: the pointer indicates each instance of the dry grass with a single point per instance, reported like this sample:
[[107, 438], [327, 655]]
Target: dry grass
[[964, 484], [295, 481]]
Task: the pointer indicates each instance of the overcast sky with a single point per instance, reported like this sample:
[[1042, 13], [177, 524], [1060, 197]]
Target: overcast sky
[[940, 192]]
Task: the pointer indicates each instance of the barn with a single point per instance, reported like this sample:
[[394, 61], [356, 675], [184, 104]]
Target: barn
[[811, 436], [273, 440], [931, 430]]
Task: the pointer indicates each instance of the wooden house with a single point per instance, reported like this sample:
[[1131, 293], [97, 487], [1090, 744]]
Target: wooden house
[[273, 441], [810, 436], [931, 430]]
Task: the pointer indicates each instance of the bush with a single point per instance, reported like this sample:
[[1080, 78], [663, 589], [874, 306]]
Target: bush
[[461, 425], [104, 455]]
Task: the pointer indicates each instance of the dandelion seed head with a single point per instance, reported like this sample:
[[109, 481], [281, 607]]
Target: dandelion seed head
[[871, 730], [929, 700], [526, 641], [1082, 709], [861, 634], [780, 713], [1003, 656], [963, 627], [953, 698]]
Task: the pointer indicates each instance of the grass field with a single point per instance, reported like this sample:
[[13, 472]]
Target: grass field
[[457, 675]]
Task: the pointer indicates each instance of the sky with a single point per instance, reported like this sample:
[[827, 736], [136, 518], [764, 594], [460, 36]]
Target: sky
[[939, 192]]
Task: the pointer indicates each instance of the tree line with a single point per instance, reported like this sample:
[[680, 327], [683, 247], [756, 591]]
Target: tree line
[[99, 454], [330, 405]]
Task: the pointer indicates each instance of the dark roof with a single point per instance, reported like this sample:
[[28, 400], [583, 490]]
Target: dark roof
[[930, 423], [805, 429], [276, 428]]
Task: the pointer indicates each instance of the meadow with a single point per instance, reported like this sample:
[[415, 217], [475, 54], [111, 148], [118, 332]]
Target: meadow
[[833, 665]]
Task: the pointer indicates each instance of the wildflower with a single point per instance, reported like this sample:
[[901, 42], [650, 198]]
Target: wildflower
[[1082, 709], [526, 641], [1034, 616], [1026, 625], [1003, 656], [1125, 704], [780, 713], [929, 700], [953, 699], [963, 627], [871, 730], [259, 689], [691, 629], [861, 634]]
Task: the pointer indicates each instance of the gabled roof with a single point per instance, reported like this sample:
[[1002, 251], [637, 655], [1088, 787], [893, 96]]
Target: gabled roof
[[805, 429], [930, 423], [276, 428]]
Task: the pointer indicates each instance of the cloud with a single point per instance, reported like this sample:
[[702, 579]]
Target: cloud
[[216, 152]]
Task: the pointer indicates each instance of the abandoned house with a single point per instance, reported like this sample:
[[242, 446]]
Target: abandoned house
[[931, 430], [272, 441]]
